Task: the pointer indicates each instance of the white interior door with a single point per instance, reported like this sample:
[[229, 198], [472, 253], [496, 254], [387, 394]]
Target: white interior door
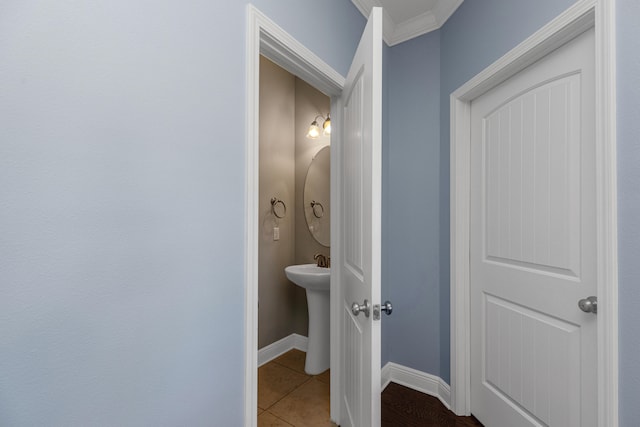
[[533, 244], [360, 225]]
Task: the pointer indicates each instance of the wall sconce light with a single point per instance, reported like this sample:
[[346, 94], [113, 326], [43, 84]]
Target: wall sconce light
[[314, 128]]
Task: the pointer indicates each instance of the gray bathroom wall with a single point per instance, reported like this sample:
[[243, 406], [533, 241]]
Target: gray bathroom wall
[[288, 105], [309, 103], [277, 297]]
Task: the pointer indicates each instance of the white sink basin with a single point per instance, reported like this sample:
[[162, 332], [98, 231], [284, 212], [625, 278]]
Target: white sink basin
[[309, 276]]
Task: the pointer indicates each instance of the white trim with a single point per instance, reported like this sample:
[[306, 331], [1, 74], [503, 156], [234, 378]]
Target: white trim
[[252, 106], [265, 37], [421, 24], [413, 27], [274, 350], [607, 202], [565, 27], [584, 14], [288, 53], [335, 291], [397, 32], [460, 321], [416, 380]]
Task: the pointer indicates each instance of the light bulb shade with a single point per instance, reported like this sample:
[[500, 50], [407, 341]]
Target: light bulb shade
[[326, 126], [314, 130]]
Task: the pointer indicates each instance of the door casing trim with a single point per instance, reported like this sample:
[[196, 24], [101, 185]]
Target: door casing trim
[[581, 16], [265, 37]]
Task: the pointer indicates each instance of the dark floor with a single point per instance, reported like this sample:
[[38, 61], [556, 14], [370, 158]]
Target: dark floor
[[404, 407]]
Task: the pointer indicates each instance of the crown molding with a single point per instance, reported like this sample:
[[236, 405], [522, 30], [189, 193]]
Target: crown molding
[[414, 27], [398, 32]]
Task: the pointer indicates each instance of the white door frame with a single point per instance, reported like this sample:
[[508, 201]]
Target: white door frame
[[265, 37], [581, 16]]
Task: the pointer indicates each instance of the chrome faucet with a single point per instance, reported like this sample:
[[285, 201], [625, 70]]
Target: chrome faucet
[[322, 260]]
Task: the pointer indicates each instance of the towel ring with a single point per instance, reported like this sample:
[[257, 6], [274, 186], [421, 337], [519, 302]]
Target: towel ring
[[317, 213], [275, 202]]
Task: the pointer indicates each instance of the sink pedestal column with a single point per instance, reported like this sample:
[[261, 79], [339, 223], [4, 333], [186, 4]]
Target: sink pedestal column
[[318, 351]]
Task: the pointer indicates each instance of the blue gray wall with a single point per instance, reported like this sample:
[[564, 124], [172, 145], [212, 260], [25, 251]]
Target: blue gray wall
[[628, 48], [410, 194], [122, 205]]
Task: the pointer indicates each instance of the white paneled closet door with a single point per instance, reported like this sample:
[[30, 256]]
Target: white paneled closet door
[[533, 244]]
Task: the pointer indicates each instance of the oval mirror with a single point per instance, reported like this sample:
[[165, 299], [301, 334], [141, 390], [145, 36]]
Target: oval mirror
[[316, 196]]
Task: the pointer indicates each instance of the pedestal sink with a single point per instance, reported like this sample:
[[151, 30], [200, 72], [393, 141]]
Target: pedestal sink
[[315, 280]]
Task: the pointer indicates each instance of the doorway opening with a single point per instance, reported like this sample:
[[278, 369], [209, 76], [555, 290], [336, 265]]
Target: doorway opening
[[269, 40], [294, 220]]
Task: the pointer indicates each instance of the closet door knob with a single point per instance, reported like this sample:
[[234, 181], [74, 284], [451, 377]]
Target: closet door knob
[[589, 305]]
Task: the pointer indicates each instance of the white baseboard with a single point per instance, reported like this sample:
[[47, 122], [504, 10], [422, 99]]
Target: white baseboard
[[278, 348], [417, 380], [391, 372]]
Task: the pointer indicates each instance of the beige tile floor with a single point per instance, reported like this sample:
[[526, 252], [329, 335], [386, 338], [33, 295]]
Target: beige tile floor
[[288, 397]]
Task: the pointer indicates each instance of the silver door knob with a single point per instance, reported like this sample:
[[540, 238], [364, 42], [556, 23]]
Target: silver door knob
[[364, 308], [387, 307], [589, 305]]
